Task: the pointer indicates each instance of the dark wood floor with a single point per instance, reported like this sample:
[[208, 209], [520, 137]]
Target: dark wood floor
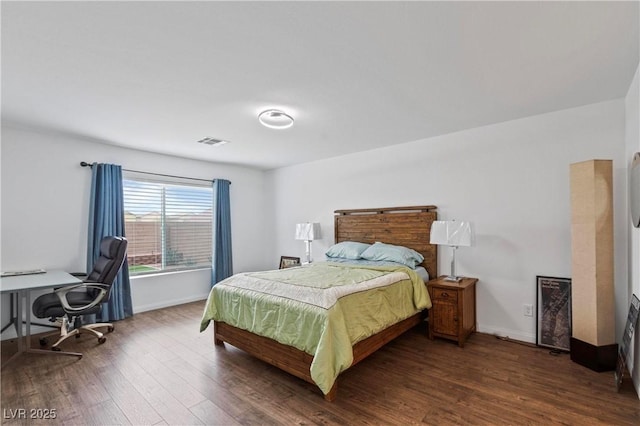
[[156, 368]]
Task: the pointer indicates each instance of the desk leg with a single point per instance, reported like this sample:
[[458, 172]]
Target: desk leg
[[27, 308], [18, 324], [25, 294], [12, 321], [19, 321]]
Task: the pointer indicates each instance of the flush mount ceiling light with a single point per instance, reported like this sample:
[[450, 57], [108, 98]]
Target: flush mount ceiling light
[[275, 119]]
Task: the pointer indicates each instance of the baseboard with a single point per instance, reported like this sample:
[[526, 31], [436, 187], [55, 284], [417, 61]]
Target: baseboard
[[10, 333], [504, 332], [166, 304], [596, 358]]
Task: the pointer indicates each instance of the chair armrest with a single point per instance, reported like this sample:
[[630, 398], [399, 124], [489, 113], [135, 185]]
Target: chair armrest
[[78, 274], [62, 295]]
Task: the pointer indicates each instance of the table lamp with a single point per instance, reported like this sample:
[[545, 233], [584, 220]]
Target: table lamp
[[455, 234], [308, 232]]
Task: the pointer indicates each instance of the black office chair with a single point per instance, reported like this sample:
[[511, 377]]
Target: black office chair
[[68, 306]]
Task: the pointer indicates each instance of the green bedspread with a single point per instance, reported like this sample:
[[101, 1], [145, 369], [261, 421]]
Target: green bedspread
[[321, 309]]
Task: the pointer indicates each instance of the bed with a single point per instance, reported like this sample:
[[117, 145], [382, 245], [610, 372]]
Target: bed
[[408, 227]]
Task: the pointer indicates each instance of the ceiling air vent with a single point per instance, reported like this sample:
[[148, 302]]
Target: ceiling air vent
[[212, 141]]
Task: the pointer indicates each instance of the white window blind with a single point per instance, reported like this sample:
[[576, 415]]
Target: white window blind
[[168, 225]]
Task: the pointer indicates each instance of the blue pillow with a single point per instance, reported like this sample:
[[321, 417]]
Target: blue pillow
[[391, 253], [347, 250]]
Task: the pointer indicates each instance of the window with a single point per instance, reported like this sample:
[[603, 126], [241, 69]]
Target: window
[[168, 225]]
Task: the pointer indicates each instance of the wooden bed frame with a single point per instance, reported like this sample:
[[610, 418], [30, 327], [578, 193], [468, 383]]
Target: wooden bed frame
[[406, 226]]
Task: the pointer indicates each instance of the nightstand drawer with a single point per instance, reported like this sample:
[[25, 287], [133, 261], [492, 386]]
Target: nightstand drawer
[[443, 293]]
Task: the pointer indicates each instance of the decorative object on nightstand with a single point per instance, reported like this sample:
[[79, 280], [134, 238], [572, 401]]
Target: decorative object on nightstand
[[289, 262], [308, 232], [453, 314], [455, 234]]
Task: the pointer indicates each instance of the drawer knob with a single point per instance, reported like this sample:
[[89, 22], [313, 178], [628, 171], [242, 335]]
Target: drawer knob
[[445, 294]]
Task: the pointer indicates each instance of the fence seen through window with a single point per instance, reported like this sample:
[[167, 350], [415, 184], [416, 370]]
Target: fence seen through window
[[168, 225]]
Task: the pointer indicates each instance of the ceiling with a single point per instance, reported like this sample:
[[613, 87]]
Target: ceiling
[[159, 76]]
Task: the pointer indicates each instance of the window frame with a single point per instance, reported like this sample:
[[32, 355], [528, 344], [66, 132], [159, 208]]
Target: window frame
[[171, 183]]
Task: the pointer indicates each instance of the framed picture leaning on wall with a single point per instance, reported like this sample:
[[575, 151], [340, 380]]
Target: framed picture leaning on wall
[[289, 262], [553, 326]]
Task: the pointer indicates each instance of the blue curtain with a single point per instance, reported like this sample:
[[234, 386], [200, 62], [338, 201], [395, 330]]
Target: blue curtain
[[222, 263], [106, 218]]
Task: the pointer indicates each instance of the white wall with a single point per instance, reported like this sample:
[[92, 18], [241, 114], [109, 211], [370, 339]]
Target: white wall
[[510, 179], [45, 198], [632, 142]]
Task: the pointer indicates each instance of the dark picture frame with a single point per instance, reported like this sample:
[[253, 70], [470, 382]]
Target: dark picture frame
[[629, 329], [289, 262], [553, 319]]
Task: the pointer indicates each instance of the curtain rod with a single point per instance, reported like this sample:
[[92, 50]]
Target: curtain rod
[[85, 164]]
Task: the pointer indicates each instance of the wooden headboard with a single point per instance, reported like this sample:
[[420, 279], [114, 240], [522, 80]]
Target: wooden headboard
[[404, 226]]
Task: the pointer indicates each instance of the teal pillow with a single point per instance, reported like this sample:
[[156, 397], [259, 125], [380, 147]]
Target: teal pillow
[[347, 250], [391, 253]]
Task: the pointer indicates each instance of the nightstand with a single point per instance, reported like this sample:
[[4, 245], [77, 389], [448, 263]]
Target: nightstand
[[453, 314]]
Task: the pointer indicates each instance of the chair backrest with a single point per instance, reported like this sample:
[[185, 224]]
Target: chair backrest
[[113, 251]]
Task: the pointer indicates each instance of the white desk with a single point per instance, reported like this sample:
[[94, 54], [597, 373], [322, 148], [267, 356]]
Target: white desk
[[22, 285]]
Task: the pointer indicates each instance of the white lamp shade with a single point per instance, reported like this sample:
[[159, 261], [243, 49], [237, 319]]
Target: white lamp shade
[[452, 233], [308, 231], [439, 232]]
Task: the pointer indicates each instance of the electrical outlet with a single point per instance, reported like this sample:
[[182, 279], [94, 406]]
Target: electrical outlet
[[527, 310]]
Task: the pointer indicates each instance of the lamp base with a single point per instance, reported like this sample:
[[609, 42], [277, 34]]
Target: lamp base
[[454, 279], [308, 249]]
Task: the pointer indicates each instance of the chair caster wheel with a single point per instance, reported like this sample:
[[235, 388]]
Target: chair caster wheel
[[55, 348], [101, 340], [43, 341], [110, 329]]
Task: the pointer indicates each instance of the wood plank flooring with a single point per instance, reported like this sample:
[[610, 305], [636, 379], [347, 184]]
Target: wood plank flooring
[[156, 368]]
